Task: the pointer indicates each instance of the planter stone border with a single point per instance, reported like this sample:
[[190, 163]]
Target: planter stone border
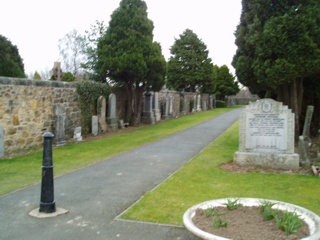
[[311, 219]]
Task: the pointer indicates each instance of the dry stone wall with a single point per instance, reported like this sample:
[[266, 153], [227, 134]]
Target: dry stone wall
[[28, 108]]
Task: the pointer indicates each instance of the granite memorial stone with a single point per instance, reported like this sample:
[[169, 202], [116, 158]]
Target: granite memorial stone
[[147, 115], [156, 109], [267, 136], [112, 119], [95, 125]]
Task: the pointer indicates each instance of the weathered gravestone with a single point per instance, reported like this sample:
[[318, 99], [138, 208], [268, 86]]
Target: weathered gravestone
[[198, 103], [182, 105], [307, 123], [305, 140], [166, 109], [112, 107], [156, 109], [95, 125], [102, 116], [1, 142], [267, 136], [148, 115], [77, 134]]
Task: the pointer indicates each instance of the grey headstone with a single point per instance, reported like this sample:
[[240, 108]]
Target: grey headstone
[[121, 123], [77, 134], [303, 152], [112, 106], [1, 142], [267, 136], [170, 106], [95, 128], [198, 103], [148, 114], [183, 105], [307, 123], [166, 109], [112, 117], [156, 108], [194, 109]]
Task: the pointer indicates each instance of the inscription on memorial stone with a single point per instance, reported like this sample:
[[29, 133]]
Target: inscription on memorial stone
[[266, 132]]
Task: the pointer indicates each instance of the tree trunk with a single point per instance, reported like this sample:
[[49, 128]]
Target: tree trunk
[[129, 111], [295, 107]]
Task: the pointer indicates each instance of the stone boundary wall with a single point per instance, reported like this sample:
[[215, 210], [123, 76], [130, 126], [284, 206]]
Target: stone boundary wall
[[28, 108]]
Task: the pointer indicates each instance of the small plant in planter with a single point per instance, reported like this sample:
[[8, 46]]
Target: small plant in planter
[[289, 221], [213, 218], [266, 210], [233, 204]]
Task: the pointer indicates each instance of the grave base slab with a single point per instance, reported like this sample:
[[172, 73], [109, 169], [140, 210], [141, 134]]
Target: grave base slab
[[268, 160]]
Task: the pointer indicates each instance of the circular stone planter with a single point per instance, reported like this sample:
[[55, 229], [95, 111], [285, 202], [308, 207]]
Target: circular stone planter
[[310, 218]]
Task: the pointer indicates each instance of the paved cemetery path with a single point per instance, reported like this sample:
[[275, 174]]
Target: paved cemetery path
[[97, 194]]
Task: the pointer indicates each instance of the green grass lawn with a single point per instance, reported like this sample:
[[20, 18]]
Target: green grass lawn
[[201, 180], [25, 170]]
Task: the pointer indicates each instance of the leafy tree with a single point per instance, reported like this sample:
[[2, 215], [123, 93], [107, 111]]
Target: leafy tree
[[68, 77], [91, 39], [225, 82], [128, 57], [71, 48], [189, 66], [37, 76], [278, 48], [11, 64]]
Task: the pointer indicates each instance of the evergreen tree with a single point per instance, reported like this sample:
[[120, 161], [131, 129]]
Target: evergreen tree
[[37, 76], [225, 83], [11, 64], [128, 57], [278, 48], [68, 77], [189, 66]]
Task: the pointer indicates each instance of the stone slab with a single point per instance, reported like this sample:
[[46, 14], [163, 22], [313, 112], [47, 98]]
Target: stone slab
[[275, 161]]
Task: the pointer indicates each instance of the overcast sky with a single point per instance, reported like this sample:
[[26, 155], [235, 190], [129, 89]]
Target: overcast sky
[[35, 26]]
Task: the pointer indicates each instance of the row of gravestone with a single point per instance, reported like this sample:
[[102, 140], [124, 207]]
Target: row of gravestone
[[150, 115]]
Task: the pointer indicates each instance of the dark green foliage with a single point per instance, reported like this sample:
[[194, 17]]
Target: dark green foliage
[[189, 66], [278, 48], [68, 77], [11, 64], [220, 104], [225, 82], [128, 57], [89, 92]]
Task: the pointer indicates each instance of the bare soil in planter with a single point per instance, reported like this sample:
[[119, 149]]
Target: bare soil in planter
[[246, 223]]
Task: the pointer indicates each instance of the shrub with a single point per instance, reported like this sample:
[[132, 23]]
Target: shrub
[[220, 104]]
